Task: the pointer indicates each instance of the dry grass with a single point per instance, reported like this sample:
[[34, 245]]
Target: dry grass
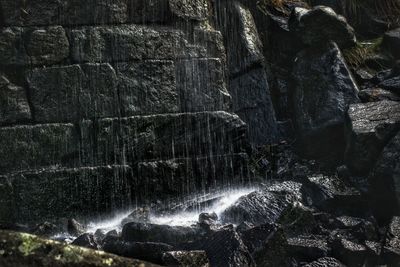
[[356, 56]]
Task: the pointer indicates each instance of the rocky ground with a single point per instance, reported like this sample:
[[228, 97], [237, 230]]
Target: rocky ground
[[299, 99]]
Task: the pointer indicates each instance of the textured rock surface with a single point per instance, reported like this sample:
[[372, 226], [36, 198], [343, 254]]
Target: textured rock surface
[[323, 90], [391, 41], [369, 127], [321, 25], [385, 180], [27, 250]]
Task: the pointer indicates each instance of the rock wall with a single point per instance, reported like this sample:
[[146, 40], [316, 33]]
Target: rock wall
[[109, 103]]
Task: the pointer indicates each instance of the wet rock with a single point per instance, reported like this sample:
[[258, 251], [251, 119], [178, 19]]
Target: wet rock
[[186, 259], [369, 127], [74, 228], [325, 262], [349, 252], [14, 105], [38, 46], [255, 237], [17, 249], [328, 193], [87, 241], [38, 146], [392, 84], [149, 251], [385, 182], [139, 232], [391, 42], [259, 207], [71, 12], [207, 220], [321, 25], [377, 94], [323, 90], [307, 248], [224, 248], [56, 193], [150, 137], [248, 83]]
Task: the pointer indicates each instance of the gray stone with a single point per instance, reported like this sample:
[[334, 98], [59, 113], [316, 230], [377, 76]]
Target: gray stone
[[184, 176], [201, 84], [260, 207], [190, 9], [321, 25], [252, 102], [14, 105], [35, 146], [12, 49], [46, 46], [325, 262], [305, 248], [385, 181], [57, 193], [116, 43], [165, 136], [323, 90], [65, 12], [369, 127], [147, 87]]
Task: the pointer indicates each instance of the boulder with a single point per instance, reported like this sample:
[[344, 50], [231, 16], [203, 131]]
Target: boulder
[[149, 251], [349, 252], [305, 248], [323, 88], [87, 241], [186, 258], [321, 25], [392, 84], [224, 248], [259, 207], [391, 42], [14, 106], [74, 228], [18, 249], [385, 181], [369, 127], [143, 232]]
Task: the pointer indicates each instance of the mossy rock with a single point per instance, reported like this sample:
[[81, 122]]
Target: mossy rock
[[19, 250]]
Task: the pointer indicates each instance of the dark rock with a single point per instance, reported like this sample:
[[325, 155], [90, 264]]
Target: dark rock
[[377, 94], [385, 182], [248, 83], [349, 252], [46, 229], [391, 42], [14, 105], [336, 5], [207, 220], [392, 84], [259, 207], [74, 228], [185, 258], [53, 193], [325, 262], [224, 248], [140, 232], [369, 127], [255, 237], [87, 241], [307, 248], [321, 25], [323, 90], [18, 249], [149, 251], [38, 146]]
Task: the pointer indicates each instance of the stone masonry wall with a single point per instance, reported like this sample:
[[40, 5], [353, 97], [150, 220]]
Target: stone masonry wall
[[106, 103]]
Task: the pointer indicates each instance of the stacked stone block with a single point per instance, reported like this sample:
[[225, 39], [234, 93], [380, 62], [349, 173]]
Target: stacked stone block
[[108, 103]]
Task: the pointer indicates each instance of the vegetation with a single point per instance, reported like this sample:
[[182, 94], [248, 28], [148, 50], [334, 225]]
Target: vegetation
[[357, 55]]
